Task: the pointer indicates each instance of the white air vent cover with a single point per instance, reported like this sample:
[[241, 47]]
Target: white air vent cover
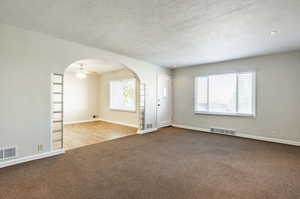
[[223, 131], [1, 154], [149, 126], [8, 153]]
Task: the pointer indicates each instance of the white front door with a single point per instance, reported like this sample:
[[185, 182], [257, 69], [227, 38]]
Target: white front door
[[164, 103]]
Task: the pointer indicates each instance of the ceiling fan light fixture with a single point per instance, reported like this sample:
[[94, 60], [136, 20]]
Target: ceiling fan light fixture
[[81, 74]]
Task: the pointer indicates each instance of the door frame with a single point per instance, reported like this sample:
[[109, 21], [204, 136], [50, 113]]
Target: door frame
[[170, 98]]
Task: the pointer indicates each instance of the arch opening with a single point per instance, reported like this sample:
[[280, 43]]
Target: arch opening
[[95, 101]]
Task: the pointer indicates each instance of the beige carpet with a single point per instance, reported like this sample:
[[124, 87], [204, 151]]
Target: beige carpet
[[170, 164]]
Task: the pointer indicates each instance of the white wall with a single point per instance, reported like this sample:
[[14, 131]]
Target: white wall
[[278, 96], [90, 96], [131, 118], [81, 97], [27, 60]]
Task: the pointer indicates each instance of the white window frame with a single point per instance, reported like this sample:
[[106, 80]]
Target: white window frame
[[253, 114], [135, 98]]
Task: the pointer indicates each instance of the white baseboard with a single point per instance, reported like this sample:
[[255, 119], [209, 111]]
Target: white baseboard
[[276, 140], [81, 121], [165, 124], [147, 131], [120, 123], [31, 158], [191, 128], [242, 135], [104, 120]]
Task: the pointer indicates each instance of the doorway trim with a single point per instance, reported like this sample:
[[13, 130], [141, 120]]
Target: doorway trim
[[170, 104]]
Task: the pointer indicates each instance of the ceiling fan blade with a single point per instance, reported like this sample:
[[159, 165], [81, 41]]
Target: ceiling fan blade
[[92, 73]]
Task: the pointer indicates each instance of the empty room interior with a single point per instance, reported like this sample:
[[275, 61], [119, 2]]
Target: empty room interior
[[94, 101], [150, 99]]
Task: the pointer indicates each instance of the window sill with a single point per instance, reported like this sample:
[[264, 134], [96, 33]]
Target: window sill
[[224, 114], [122, 110]]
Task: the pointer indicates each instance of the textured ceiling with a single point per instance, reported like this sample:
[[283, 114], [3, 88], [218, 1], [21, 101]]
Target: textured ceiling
[[165, 32]]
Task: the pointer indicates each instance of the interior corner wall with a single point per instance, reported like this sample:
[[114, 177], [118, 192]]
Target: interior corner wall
[[278, 96], [81, 98], [105, 113], [27, 60]]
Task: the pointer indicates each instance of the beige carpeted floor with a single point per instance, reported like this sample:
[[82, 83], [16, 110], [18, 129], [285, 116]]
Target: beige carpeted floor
[[170, 164]]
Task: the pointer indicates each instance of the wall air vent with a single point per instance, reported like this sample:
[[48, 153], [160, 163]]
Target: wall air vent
[[149, 126], [1, 154], [8, 153], [223, 131]]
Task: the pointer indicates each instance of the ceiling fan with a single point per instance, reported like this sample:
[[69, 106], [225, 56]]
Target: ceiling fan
[[82, 73]]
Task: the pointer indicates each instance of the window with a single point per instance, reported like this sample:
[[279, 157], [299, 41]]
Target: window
[[122, 94], [226, 94]]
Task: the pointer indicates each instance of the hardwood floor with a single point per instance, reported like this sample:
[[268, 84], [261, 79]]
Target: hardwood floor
[[83, 134]]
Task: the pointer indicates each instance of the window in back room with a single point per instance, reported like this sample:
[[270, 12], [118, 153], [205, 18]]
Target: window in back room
[[122, 95]]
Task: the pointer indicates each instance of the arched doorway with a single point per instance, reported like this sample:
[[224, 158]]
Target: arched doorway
[[81, 69]]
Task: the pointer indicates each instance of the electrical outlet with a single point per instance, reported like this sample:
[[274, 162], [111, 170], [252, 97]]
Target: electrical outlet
[[40, 148]]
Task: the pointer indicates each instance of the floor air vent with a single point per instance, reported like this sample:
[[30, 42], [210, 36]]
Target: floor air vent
[[8, 153], [223, 131]]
